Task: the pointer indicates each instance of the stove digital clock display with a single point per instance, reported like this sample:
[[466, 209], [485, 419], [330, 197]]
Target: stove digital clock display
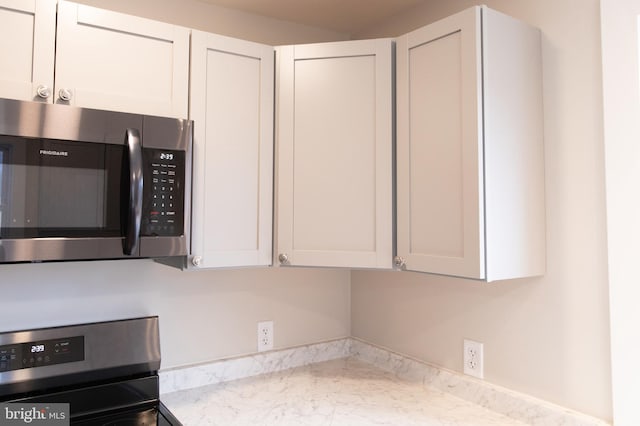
[[37, 348]]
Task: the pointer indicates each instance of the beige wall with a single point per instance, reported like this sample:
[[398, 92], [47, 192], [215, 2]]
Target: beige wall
[[204, 315], [547, 336]]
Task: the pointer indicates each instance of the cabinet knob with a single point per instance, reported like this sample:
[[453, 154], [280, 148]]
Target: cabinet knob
[[65, 94], [399, 262], [43, 91], [283, 258], [196, 260]]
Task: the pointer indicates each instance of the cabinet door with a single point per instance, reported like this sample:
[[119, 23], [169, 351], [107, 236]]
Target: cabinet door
[[440, 206], [232, 108], [112, 61], [27, 47], [335, 154]]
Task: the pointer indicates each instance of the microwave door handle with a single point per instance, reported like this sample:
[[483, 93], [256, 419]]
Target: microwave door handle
[[134, 208]]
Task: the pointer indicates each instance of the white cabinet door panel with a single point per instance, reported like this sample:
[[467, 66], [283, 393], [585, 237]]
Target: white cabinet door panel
[[113, 61], [27, 48], [335, 128], [232, 107], [334, 142], [440, 204]]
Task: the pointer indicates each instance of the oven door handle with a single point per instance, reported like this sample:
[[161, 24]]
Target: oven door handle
[[134, 208]]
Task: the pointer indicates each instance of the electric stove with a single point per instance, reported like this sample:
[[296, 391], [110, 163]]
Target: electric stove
[[107, 372]]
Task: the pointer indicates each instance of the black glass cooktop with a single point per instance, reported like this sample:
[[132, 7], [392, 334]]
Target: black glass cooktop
[[156, 415], [127, 402]]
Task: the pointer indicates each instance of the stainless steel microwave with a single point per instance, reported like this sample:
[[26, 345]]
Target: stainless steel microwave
[[79, 183]]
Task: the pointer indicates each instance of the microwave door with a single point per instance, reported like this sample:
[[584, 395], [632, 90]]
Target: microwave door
[[66, 200]]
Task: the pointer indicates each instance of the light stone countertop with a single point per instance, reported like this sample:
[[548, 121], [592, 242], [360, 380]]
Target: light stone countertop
[[339, 392]]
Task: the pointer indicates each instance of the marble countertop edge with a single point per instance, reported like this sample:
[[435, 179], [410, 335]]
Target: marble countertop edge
[[518, 406]]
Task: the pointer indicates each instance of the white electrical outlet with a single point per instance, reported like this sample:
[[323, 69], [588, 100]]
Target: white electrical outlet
[[474, 359], [265, 336]]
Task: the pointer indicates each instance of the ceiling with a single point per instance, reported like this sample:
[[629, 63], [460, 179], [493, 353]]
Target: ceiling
[[346, 16]]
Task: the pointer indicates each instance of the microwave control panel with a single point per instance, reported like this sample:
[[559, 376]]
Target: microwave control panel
[[163, 194]]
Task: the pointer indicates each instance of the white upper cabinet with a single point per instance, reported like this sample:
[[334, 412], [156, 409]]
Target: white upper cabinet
[[335, 154], [27, 47], [108, 60], [232, 90], [470, 166], [103, 59]]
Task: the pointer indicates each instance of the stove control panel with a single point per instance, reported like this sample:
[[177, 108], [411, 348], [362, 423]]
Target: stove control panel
[[41, 353]]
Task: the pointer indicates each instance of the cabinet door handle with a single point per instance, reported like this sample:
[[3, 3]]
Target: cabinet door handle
[[43, 91], [65, 94], [283, 258], [196, 261], [399, 262]]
